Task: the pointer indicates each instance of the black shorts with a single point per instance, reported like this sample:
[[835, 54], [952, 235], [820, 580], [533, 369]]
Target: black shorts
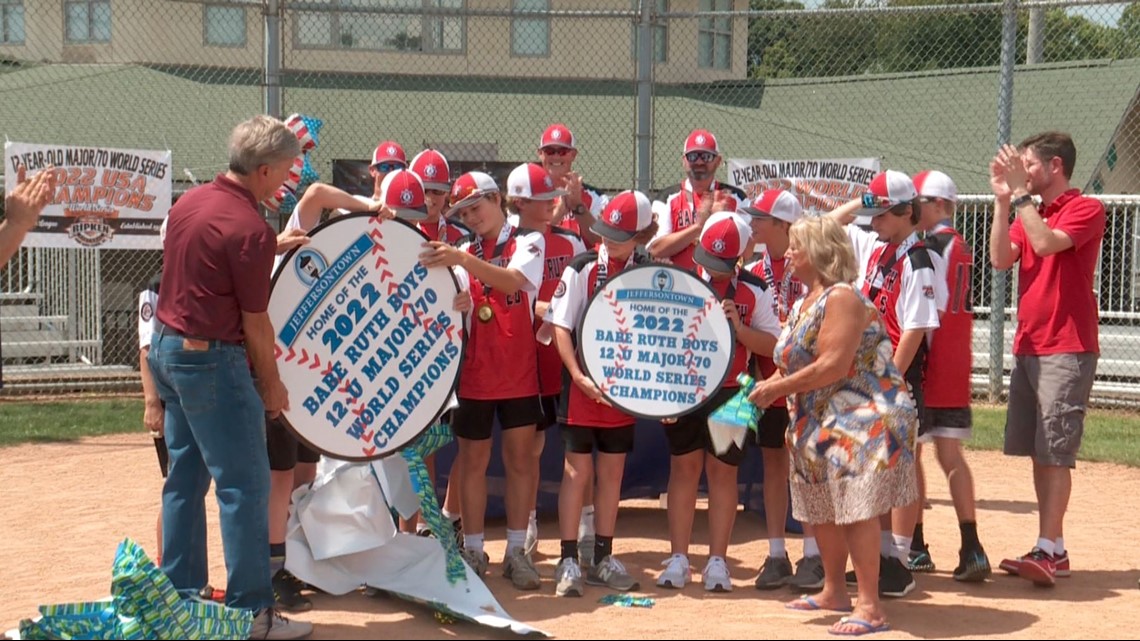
[[285, 451], [607, 440], [772, 432], [914, 380], [549, 411], [474, 419], [691, 431]]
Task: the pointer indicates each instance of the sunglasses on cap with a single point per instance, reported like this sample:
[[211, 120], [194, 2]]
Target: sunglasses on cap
[[700, 156], [556, 151], [388, 166], [871, 200]]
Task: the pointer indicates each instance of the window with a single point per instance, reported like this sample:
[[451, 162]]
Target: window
[[88, 21], [660, 32], [1111, 158], [223, 26], [714, 36], [530, 36], [355, 29], [12, 22]]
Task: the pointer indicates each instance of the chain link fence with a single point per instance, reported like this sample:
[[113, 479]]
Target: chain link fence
[[915, 84]]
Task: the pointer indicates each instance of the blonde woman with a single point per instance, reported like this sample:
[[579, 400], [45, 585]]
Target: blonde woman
[[853, 424]]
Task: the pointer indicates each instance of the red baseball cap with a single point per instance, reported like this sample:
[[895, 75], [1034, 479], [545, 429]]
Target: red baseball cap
[[557, 135], [389, 151], [935, 184], [624, 216], [776, 203], [701, 140], [723, 240], [533, 182], [468, 189], [888, 189], [403, 192], [432, 168]]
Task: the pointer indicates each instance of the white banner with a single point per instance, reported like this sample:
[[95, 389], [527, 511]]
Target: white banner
[[367, 342], [106, 198], [656, 341], [820, 185]]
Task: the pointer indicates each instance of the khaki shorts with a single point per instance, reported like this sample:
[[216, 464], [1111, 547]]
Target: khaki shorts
[[1048, 396]]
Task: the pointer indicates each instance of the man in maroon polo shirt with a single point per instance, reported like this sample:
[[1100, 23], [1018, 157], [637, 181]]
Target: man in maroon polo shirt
[[213, 324], [1056, 346]]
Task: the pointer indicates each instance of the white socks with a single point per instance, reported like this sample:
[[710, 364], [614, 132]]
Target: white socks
[[586, 522], [902, 547], [777, 548], [473, 541], [811, 548], [516, 539]]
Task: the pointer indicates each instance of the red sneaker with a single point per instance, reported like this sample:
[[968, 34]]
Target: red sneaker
[[1013, 566], [1039, 567], [1062, 563]]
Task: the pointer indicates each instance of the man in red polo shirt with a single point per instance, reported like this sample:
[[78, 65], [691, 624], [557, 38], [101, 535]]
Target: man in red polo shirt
[[1056, 346], [213, 323]]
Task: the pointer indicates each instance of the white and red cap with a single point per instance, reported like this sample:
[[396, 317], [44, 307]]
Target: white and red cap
[[468, 189], [557, 135], [531, 181], [887, 189], [403, 192], [433, 170], [389, 151], [625, 215], [776, 203], [723, 239], [935, 184], [701, 140]]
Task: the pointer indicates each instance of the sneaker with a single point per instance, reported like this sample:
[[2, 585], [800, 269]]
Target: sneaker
[[676, 573], [210, 593], [477, 560], [518, 567], [973, 566], [809, 574], [457, 527], [611, 573], [267, 624], [920, 561], [1060, 563], [775, 573], [287, 592], [426, 533], [1039, 567], [894, 579], [586, 551], [568, 578], [716, 576], [531, 543]]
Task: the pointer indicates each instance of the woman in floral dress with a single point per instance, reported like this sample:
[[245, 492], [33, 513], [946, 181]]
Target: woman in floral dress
[[853, 424]]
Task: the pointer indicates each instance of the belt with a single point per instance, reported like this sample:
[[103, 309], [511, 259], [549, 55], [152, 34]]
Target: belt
[[163, 330]]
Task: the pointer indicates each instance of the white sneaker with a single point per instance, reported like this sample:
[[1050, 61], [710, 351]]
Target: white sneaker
[[270, 625], [716, 576], [676, 573], [531, 538], [568, 578]]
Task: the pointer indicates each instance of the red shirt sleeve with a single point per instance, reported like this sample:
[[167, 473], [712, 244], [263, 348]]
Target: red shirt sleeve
[[251, 263], [1083, 222], [1017, 234]]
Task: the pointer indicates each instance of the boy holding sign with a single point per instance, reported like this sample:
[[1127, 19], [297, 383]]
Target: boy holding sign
[[589, 422], [748, 304], [499, 377]]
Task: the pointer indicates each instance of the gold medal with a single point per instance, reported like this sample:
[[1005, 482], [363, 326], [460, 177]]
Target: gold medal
[[485, 313]]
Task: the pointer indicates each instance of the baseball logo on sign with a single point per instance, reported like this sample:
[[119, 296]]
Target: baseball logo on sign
[[656, 341], [367, 343]]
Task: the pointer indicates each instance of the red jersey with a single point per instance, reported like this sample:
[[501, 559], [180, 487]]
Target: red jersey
[[1057, 310], [683, 204], [950, 360], [575, 289], [786, 290], [501, 361], [444, 230], [754, 304], [900, 280], [562, 246]]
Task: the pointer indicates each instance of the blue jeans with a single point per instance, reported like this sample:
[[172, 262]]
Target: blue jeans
[[215, 429]]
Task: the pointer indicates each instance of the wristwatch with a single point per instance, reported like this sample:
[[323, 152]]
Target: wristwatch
[[1021, 200], [579, 209]]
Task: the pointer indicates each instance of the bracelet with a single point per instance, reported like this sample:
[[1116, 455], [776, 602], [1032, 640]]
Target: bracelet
[[1021, 200]]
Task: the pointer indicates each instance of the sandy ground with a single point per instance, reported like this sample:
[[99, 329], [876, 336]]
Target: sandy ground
[[65, 508]]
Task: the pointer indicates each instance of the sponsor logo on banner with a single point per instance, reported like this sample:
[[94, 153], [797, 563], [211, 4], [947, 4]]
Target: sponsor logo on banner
[[820, 185], [105, 198], [367, 343], [656, 341]]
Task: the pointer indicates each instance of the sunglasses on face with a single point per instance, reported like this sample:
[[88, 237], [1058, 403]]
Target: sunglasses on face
[[556, 151], [928, 199], [388, 166], [700, 156]]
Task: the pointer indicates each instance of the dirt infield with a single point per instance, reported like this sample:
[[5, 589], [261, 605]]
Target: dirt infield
[[66, 507]]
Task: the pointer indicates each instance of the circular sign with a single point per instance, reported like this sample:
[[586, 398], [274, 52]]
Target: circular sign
[[656, 341], [367, 342]]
